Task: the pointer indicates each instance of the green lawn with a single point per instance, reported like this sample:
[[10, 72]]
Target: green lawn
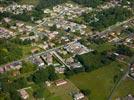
[[99, 82], [125, 88]]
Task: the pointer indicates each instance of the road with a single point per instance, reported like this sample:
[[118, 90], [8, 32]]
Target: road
[[118, 83], [112, 27]]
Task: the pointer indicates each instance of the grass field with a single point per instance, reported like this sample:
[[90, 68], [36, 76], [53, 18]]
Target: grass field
[[99, 82], [125, 88], [62, 92]]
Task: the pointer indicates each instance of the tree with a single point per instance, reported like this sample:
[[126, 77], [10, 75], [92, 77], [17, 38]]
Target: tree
[[53, 28], [86, 92], [52, 75], [40, 76], [113, 15], [27, 67], [19, 83], [90, 3], [124, 50], [115, 78], [48, 3], [39, 93]]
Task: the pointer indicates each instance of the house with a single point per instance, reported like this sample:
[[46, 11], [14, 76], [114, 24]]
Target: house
[[78, 96], [59, 70], [23, 93], [131, 71], [34, 50], [49, 59], [16, 65], [7, 20], [60, 82], [7, 67], [129, 97], [76, 65], [48, 83], [1, 70], [38, 61]]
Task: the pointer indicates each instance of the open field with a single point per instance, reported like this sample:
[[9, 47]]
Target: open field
[[62, 92], [125, 88], [99, 82]]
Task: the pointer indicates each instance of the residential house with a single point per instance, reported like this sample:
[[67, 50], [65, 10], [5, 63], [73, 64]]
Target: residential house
[[23, 93], [78, 96], [60, 82]]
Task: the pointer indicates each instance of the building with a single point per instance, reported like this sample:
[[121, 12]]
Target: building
[[1, 70], [23, 93], [49, 59], [16, 65], [78, 96], [59, 70], [48, 83], [60, 82], [131, 71], [38, 61], [129, 97]]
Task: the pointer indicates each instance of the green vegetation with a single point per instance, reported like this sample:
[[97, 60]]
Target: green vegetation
[[9, 52], [26, 16], [48, 3], [124, 89], [128, 2], [62, 92], [124, 50], [21, 42], [39, 93], [8, 1], [33, 2], [101, 56], [87, 60], [90, 3], [99, 82], [27, 67], [128, 31], [101, 20], [42, 75], [10, 88], [13, 49]]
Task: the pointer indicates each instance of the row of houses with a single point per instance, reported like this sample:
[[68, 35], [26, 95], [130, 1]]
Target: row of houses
[[68, 9], [4, 33], [44, 59], [64, 24], [16, 8], [14, 28], [13, 66]]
